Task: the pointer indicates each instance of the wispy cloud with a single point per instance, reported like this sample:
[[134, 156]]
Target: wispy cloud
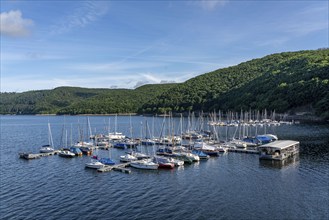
[[211, 4], [112, 67], [87, 13], [299, 23], [306, 21], [28, 56], [14, 25], [156, 78]]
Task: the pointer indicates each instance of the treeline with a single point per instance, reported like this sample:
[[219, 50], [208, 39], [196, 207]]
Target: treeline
[[75, 100], [282, 82]]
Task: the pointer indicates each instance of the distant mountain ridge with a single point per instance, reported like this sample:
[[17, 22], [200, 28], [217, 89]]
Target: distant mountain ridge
[[282, 81]]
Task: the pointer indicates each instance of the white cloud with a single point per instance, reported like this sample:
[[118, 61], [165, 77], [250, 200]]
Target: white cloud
[[141, 83], [150, 77], [13, 24], [87, 13]]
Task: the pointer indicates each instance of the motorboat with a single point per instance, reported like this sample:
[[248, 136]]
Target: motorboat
[[66, 153], [94, 164]]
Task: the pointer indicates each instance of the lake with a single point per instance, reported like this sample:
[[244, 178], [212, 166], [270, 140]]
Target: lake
[[231, 186]]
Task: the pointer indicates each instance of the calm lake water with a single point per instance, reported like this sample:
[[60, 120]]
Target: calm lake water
[[232, 186]]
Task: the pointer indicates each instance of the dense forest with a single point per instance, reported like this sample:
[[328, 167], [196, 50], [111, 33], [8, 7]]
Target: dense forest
[[75, 100], [282, 82]]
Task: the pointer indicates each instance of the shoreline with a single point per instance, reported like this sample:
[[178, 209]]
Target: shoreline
[[296, 118]]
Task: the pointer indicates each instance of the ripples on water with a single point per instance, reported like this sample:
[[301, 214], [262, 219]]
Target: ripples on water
[[232, 186]]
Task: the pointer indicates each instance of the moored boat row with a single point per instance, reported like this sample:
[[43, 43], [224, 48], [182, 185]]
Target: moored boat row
[[171, 150]]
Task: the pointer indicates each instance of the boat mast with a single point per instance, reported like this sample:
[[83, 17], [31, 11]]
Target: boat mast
[[50, 136]]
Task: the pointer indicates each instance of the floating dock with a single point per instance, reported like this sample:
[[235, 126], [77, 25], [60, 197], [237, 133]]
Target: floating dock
[[118, 167], [29, 156]]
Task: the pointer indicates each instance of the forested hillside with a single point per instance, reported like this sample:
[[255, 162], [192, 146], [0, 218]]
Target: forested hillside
[[74, 100], [281, 82]]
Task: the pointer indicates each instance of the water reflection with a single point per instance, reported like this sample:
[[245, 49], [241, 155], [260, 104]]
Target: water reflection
[[278, 164]]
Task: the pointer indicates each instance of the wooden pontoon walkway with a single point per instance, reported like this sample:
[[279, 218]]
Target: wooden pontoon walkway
[[29, 156]]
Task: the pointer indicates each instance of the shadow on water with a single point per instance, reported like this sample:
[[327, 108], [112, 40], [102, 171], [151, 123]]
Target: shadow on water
[[278, 164]]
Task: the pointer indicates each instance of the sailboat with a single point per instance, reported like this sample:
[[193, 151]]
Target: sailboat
[[73, 149], [149, 139], [104, 160], [48, 148], [127, 158], [65, 152], [115, 135], [205, 148], [145, 164], [201, 155], [163, 162]]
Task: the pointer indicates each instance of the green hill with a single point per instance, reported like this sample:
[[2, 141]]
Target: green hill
[[281, 82], [75, 100]]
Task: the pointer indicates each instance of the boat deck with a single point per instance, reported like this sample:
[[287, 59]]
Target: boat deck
[[117, 167]]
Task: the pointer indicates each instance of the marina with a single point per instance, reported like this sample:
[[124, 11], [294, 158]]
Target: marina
[[167, 150], [164, 110], [205, 184]]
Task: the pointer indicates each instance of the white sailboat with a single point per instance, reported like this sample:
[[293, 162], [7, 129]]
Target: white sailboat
[[115, 135], [48, 148], [65, 152]]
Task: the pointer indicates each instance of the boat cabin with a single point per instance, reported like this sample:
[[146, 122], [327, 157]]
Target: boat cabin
[[279, 150]]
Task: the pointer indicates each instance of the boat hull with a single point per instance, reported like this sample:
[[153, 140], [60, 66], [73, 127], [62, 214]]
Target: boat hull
[[46, 150], [66, 154], [94, 166], [166, 165], [144, 166]]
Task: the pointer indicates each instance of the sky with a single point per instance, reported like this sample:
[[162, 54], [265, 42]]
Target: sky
[[125, 44]]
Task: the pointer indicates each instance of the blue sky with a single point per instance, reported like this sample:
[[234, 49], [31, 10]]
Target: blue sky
[[124, 44]]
